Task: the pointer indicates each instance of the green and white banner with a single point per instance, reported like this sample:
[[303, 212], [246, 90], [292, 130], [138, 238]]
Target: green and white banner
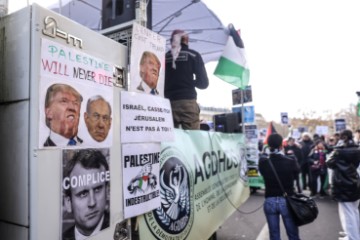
[[203, 179]]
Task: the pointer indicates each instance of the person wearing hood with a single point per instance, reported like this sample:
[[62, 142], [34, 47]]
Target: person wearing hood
[[184, 72], [345, 187]]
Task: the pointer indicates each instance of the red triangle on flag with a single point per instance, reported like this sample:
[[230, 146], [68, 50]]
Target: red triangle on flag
[[271, 129]]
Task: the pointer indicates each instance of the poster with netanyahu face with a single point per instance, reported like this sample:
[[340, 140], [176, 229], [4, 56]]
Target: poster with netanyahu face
[[76, 98]]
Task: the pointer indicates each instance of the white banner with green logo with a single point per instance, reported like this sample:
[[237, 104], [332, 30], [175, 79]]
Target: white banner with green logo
[[202, 182]]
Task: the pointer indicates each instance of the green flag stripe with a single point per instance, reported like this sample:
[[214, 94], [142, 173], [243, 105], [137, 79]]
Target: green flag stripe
[[232, 72], [229, 68]]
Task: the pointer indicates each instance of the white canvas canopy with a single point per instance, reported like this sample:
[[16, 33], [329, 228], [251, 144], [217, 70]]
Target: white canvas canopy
[[206, 32], [87, 13]]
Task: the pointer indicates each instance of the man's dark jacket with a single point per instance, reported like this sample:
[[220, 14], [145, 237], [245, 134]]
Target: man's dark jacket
[[180, 83], [297, 152], [306, 147], [344, 160]]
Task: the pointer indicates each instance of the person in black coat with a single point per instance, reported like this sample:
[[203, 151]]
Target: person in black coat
[[294, 150], [306, 146], [275, 203], [345, 189], [184, 72]]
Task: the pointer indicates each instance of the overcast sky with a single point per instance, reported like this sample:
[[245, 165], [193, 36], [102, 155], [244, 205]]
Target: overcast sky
[[303, 55]]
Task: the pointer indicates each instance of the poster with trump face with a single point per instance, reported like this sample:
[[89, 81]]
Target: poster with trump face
[[147, 66], [76, 98]]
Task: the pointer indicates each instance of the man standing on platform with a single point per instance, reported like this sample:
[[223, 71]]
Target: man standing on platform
[[184, 71]]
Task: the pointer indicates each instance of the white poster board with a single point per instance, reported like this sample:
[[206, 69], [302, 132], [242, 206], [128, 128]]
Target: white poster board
[[141, 168], [88, 76], [147, 66], [295, 133], [322, 130], [252, 152], [145, 118]]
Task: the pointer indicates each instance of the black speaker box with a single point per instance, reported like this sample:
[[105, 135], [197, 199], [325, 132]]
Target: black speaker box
[[124, 12], [227, 122]]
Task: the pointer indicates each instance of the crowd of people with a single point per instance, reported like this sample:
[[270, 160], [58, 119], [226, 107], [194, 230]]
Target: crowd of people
[[325, 166], [311, 154]]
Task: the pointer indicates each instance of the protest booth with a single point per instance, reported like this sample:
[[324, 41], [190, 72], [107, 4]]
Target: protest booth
[[87, 151]]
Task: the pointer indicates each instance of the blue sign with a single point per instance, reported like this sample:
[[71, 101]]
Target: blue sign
[[340, 124], [249, 113]]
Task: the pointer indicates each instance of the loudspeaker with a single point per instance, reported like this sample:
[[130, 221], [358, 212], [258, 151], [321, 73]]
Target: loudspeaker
[[123, 11], [228, 122]]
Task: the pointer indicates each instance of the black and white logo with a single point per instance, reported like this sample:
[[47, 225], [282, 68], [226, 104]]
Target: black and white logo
[[175, 216]]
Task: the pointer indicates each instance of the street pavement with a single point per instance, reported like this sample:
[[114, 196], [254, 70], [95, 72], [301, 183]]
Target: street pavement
[[248, 222]]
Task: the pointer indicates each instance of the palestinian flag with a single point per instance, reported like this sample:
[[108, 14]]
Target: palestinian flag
[[271, 129], [232, 66]]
